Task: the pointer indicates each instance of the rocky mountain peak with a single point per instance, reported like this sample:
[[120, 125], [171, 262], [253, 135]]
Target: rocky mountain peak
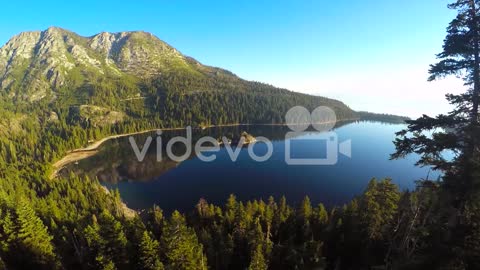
[[35, 63]]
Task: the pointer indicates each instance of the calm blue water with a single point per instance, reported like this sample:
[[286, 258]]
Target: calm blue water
[[180, 185]]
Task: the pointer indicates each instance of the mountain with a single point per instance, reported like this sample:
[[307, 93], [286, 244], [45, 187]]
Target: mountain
[[33, 63], [102, 70], [132, 79]]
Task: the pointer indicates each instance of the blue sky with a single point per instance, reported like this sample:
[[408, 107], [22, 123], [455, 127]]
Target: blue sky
[[371, 54]]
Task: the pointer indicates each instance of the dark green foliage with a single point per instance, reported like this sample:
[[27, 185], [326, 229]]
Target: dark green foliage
[[180, 245], [380, 202], [32, 235], [149, 250], [254, 234], [23, 232], [449, 237]]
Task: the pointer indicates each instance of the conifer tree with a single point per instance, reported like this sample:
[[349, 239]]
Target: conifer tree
[[457, 131], [284, 210], [257, 261], [149, 253], [306, 210], [378, 206], [231, 207], [181, 247], [33, 237], [114, 237], [257, 237], [8, 232], [95, 244], [155, 220], [321, 214]]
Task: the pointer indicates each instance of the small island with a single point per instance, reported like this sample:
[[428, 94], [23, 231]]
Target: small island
[[248, 139]]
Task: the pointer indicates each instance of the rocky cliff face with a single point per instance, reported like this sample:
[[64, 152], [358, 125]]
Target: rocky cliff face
[[34, 65]]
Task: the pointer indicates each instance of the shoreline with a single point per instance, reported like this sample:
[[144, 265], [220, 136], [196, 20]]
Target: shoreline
[[91, 149]]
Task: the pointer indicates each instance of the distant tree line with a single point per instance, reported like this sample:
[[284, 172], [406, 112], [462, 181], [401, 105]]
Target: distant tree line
[[382, 117]]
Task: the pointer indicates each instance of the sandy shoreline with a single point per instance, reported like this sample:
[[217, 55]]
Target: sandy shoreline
[[91, 149]]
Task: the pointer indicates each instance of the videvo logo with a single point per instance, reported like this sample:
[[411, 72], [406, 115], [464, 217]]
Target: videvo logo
[[298, 119], [323, 120]]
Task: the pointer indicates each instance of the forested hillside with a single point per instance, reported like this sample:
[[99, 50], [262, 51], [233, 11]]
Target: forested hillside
[[60, 90], [136, 74]]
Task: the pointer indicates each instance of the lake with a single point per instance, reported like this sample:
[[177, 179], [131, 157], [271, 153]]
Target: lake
[[179, 185]]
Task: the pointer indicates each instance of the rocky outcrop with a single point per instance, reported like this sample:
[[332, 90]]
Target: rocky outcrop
[[96, 116], [247, 139]]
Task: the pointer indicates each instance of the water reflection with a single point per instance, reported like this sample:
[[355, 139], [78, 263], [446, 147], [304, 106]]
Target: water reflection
[[173, 185], [116, 160]]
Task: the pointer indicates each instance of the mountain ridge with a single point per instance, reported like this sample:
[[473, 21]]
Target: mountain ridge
[[57, 51], [49, 58], [132, 77]]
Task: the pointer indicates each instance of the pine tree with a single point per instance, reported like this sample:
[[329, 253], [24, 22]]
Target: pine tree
[[8, 232], [112, 233], [378, 206], [256, 236], [149, 253], [258, 260], [33, 237], [231, 207], [284, 210], [457, 131], [155, 220], [181, 247], [306, 210], [321, 215], [95, 244]]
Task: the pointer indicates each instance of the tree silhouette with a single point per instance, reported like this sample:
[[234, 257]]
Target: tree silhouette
[[457, 132]]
